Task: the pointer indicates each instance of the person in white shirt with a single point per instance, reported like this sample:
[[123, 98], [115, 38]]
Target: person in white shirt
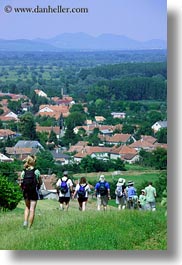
[[64, 189], [81, 191]]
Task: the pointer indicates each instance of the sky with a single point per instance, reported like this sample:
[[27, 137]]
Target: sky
[[137, 19]]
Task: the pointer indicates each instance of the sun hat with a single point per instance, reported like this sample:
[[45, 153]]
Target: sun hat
[[143, 190], [121, 180], [130, 182], [102, 178]]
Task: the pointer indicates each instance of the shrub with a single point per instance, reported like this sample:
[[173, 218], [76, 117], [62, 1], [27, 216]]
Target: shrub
[[10, 194]]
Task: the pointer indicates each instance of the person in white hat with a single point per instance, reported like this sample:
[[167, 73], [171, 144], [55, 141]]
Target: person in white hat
[[142, 200], [132, 197], [102, 192], [120, 194]]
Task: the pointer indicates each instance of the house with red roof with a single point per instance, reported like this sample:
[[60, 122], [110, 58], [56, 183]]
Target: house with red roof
[[93, 151], [125, 153], [48, 129], [117, 139], [54, 111]]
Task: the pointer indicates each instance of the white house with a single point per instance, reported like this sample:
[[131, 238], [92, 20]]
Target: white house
[[11, 115], [4, 158], [120, 115], [40, 93], [159, 125]]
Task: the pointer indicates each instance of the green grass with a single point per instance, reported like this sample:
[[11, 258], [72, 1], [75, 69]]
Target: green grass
[[90, 230], [137, 176]]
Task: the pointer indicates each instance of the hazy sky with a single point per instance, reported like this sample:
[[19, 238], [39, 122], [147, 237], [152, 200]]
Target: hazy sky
[[137, 19]]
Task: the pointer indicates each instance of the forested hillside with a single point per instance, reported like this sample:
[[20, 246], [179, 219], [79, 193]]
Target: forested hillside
[[87, 76]]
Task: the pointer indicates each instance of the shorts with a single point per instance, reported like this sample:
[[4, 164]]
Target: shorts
[[102, 200], [84, 199], [30, 195], [150, 205], [64, 199]]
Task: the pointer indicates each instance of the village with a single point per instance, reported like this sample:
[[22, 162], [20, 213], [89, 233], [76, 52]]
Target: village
[[113, 144]]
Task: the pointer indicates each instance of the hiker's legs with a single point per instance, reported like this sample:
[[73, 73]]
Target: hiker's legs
[[61, 202], [66, 201], [32, 212], [80, 204], [83, 206], [104, 201], [61, 206], [98, 203], [67, 206], [104, 207], [26, 211]]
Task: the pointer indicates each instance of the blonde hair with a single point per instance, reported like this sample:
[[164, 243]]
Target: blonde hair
[[30, 161]]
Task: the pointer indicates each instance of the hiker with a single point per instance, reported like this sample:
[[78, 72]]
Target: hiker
[[102, 192], [81, 191], [64, 190], [120, 194], [132, 198], [30, 182], [142, 200], [150, 192]]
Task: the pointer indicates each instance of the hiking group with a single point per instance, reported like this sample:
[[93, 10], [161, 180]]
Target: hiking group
[[126, 194]]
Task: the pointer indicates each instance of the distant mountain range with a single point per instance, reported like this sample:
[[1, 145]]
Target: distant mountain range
[[81, 41]]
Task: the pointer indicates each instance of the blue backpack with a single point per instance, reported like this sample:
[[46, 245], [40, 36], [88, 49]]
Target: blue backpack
[[81, 192], [64, 186], [102, 188]]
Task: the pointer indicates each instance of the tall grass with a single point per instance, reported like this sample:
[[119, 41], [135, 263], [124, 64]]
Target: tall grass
[[90, 230]]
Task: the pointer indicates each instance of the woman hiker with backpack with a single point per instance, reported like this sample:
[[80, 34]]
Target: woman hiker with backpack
[[30, 183], [81, 191]]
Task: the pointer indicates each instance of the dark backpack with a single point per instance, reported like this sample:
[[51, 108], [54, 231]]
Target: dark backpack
[[81, 192], [29, 181], [102, 188], [64, 186]]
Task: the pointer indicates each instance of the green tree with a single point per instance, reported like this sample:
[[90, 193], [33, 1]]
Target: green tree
[[75, 119], [53, 138], [45, 162], [9, 170], [28, 126], [77, 108], [10, 194], [93, 138], [159, 158], [70, 138], [15, 106], [162, 135], [127, 128]]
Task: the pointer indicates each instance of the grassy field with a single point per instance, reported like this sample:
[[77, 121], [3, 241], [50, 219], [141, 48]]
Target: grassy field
[[137, 174], [90, 230]]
